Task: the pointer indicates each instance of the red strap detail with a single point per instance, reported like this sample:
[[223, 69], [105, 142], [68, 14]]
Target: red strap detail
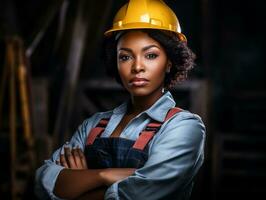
[[146, 136], [154, 125], [143, 139], [93, 134], [103, 122], [172, 112]]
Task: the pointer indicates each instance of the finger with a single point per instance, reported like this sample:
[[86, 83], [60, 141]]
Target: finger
[[63, 161], [69, 158], [76, 158], [82, 158]]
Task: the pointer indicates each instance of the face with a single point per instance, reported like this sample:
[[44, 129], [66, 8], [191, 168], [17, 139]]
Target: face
[[142, 63]]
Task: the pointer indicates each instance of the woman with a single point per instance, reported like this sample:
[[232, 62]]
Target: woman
[[146, 148]]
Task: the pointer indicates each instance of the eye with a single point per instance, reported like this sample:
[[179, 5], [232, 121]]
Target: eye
[[151, 56], [123, 57]]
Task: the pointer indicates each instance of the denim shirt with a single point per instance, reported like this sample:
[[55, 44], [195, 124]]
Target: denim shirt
[[176, 153]]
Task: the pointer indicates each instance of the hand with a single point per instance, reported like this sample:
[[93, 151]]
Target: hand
[[112, 175], [73, 159]]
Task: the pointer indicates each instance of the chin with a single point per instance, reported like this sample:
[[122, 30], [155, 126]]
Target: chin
[[139, 91]]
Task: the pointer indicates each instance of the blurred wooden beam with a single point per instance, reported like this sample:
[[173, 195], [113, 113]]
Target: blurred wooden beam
[[12, 116]]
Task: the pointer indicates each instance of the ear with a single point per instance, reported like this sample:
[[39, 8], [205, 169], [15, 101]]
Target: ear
[[168, 66]]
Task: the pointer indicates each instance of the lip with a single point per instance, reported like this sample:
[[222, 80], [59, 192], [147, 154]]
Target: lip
[[138, 82]]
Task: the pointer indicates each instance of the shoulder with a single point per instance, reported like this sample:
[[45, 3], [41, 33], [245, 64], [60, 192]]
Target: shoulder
[[188, 121], [186, 116], [184, 125], [183, 133]]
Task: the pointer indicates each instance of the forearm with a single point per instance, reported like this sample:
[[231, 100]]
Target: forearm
[[73, 183], [76, 179]]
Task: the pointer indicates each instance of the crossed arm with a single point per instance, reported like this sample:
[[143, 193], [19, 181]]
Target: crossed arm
[[76, 181], [173, 162]]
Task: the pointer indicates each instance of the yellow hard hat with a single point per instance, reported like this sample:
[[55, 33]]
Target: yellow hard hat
[[146, 14]]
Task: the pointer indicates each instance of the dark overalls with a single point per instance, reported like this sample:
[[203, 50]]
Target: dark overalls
[[116, 152]]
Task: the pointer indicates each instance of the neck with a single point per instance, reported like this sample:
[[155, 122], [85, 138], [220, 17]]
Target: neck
[[141, 103]]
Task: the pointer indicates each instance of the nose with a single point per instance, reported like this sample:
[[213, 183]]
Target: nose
[[137, 66]]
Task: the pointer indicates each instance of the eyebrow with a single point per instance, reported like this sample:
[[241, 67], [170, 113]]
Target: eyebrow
[[143, 49]]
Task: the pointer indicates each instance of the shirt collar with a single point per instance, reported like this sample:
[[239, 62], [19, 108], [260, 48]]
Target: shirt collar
[[121, 109], [160, 108], [157, 111]]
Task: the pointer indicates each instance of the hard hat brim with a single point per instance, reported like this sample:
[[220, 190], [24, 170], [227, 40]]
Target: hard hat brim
[[110, 32]]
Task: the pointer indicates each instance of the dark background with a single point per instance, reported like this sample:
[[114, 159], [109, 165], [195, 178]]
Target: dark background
[[67, 83]]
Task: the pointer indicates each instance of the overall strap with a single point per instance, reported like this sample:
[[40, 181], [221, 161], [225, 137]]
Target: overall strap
[[147, 134], [97, 131]]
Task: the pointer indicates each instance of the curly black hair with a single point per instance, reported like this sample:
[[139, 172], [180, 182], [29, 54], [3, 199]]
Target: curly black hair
[[180, 55]]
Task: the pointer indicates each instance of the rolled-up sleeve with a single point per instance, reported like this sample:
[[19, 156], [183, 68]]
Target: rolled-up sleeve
[[46, 175], [175, 156]]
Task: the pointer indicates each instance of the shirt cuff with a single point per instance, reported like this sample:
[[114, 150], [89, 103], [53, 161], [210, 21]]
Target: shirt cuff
[[112, 192], [49, 180]]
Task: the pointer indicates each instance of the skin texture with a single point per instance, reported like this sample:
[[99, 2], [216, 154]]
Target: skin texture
[[139, 56], [88, 183], [142, 64]]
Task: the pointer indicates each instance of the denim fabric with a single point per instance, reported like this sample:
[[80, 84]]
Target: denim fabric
[[114, 153]]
